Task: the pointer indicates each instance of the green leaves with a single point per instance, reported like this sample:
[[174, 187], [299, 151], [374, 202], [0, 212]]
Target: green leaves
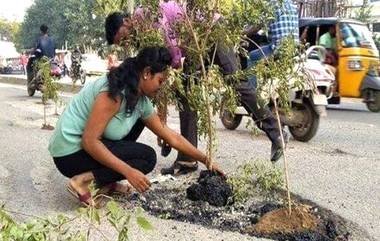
[[65, 24], [62, 227], [123, 234], [8, 29], [142, 221], [250, 178], [364, 13], [50, 85]]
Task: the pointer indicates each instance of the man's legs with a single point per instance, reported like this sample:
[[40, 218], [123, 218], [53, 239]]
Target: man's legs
[[255, 56], [263, 118], [189, 130]]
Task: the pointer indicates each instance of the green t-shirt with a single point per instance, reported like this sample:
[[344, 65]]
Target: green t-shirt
[[327, 41], [67, 137]]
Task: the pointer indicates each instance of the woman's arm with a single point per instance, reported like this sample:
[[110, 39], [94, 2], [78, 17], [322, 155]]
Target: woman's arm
[[177, 141], [102, 112]]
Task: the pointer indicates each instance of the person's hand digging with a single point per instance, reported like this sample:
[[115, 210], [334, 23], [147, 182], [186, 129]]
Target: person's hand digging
[[138, 180], [214, 167]]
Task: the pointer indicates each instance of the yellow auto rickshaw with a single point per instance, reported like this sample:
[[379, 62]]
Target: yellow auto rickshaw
[[357, 58]]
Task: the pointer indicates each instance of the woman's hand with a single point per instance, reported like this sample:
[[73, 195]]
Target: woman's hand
[[215, 168], [138, 180]]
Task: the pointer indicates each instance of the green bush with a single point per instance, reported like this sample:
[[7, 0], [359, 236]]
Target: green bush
[[252, 178]]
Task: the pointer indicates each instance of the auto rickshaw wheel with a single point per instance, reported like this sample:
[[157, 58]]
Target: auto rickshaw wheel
[[310, 123], [374, 106], [229, 120]]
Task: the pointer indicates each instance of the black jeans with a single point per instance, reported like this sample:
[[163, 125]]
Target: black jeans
[[137, 155], [262, 116]]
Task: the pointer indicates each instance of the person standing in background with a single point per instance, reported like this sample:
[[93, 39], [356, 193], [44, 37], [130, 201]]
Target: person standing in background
[[23, 62]]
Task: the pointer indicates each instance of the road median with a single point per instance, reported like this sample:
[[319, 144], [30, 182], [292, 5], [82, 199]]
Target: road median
[[21, 80]]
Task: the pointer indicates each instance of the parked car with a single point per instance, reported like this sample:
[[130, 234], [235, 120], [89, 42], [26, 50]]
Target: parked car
[[10, 66], [92, 64]]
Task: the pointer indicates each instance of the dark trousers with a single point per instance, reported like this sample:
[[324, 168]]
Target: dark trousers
[[137, 155], [262, 116], [188, 126]]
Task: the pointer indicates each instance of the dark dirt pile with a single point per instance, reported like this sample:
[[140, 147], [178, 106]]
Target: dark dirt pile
[[211, 188], [170, 201]]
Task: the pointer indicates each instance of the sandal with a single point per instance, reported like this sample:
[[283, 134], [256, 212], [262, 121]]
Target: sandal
[[113, 186], [84, 199], [165, 147], [180, 168]]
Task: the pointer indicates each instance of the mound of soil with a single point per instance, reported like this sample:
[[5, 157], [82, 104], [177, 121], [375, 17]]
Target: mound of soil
[[170, 200], [211, 188], [279, 221]]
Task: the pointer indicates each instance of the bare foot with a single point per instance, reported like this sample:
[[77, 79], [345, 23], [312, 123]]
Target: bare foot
[[79, 185]]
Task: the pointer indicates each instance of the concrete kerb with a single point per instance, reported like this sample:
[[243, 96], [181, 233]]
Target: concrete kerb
[[64, 87]]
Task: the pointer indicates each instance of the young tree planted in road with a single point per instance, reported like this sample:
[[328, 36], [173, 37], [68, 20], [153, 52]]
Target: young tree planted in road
[[50, 87], [206, 25]]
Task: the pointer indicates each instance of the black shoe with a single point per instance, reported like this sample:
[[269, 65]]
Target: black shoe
[[180, 168], [277, 149], [165, 149]]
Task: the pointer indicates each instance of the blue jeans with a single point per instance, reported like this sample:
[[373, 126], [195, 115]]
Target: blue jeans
[[254, 57]]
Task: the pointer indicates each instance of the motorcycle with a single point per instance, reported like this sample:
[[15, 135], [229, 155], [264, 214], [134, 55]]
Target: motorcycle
[[76, 70], [34, 75], [307, 104]]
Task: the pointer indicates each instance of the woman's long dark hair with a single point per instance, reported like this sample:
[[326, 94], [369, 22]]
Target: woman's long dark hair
[[127, 75]]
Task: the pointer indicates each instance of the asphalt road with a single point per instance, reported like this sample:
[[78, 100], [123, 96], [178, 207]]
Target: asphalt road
[[338, 169]]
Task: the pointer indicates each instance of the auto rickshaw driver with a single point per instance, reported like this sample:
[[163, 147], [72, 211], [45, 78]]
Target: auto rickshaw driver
[[328, 40]]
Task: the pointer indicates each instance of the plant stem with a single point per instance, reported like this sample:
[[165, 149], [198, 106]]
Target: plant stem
[[44, 113], [205, 94], [94, 227], [287, 184], [23, 214]]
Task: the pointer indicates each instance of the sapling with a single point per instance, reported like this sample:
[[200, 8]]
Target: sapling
[[64, 227], [50, 87]]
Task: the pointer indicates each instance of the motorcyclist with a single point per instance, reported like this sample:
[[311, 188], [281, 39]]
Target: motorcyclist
[[46, 43], [45, 46], [76, 60]]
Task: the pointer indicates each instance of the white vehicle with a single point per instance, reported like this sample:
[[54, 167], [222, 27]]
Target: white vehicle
[[92, 64], [307, 105]]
